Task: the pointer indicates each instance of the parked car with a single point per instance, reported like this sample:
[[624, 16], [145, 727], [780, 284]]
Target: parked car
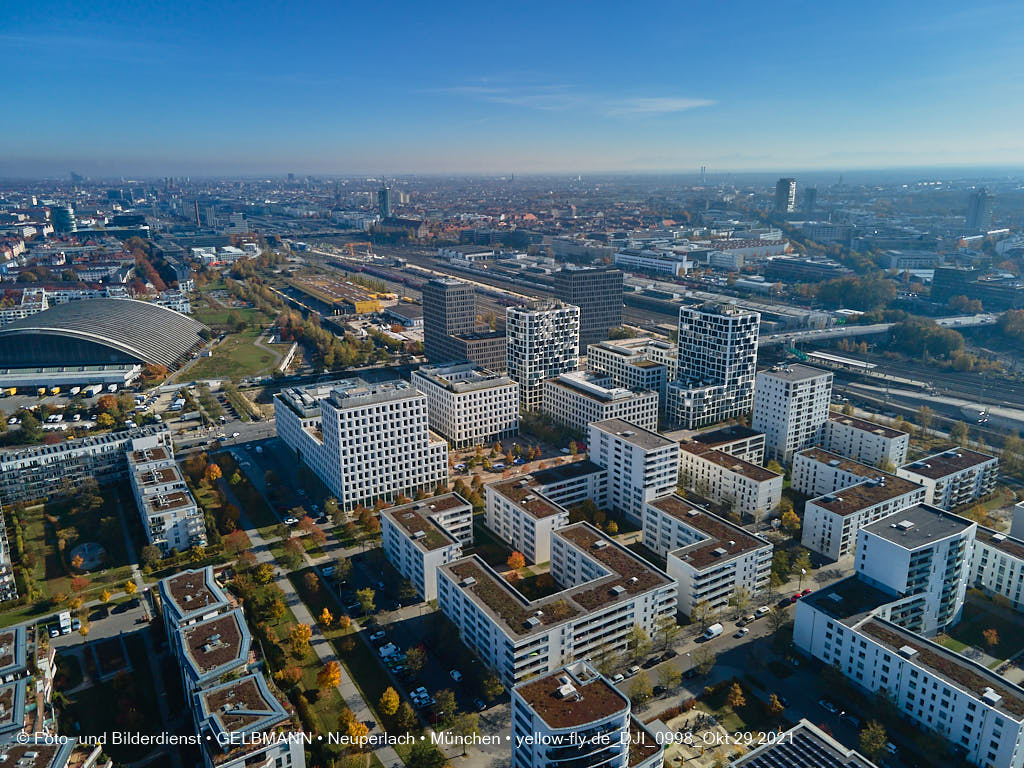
[[387, 650], [328, 570], [378, 635], [291, 521], [76, 624], [741, 632], [669, 654], [851, 718], [762, 611], [632, 670], [455, 675], [651, 662], [828, 706], [806, 592], [518, 462], [618, 677], [479, 705]]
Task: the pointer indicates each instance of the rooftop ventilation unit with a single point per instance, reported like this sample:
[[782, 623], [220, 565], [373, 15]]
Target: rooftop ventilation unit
[[617, 590], [908, 652], [718, 552], [693, 513], [419, 535], [600, 544], [833, 462], [566, 691], [532, 622], [835, 598], [999, 536], [469, 581], [990, 697], [905, 525]]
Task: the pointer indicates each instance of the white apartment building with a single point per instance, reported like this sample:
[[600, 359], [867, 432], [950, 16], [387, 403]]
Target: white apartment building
[[816, 472], [542, 341], [421, 536], [579, 398], [923, 554], [717, 364], [573, 483], [605, 591], [750, 490], [369, 441], [831, 521], [709, 557], [171, 517], [641, 465], [662, 262], [467, 405], [523, 517], [640, 364], [954, 477], [735, 439], [998, 566], [791, 405], [912, 573], [574, 715], [865, 441]]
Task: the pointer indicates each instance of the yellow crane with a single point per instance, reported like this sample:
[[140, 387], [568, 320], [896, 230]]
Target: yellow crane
[[351, 247]]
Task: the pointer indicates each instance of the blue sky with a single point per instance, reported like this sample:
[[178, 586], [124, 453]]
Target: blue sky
[[392, 87]]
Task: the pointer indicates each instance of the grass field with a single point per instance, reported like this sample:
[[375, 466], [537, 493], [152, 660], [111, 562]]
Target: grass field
[[235, 357], [977, 617]]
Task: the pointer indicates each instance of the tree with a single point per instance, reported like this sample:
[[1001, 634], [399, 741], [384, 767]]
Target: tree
[[802, 562], [924, 418], [668, 630], [130, 588], [611, 528], [777, 618], [329, 676], [516, 561], [358, 732], [312, 582], [991, 637], [365, 597], [276, 610], [342, 569], [885, 464], [670, 676], [264, 573], [704, 661], [103, 421], [775, 707], [774, 466], [641, 691], [300, 637], [958, 433], [491, 687], [445, 705], [415, 659], [423, 754], [736, 699], [872, 739], [326, 618], [212, 473], [847, 409], [791, 522], [77, 562], [389, 701], [639, 643], [573, 448], [150, 555], [105, 596], [406, 715], [701, 613], [289, 677], [466, 726], [740, 599], [344, 622]]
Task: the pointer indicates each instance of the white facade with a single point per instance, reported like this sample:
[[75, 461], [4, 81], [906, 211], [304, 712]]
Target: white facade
[[419, 537], [638, 364], [817, 472], [641, 465], [717, 365], [831, 521], [865, 441], [954, 477], [542, 341], [751, 490], [998, 566], [576, 399], [576, 715], [372, 441], [709, 557], [523, 517], [573, 483], [606, 591], [736, 440], [791, 407], [171, 517], [664, 262], [467, 405]]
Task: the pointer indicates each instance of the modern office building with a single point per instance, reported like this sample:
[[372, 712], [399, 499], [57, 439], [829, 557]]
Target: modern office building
[[638, 364], [574, 716], [543, 341], [717, 365], [171, 518], [736, 440], [421, 536], [810, 199], [368, 442], [576, 399], [46, 470], [598, 294], [791, 405], [865, 441], [749, 490], [979, 211], [785, 195], [468, 405], [384, 207], [656, 262], [831, 521], [805, 744], [450, 332], [641, 465], [604, 591], [708, 556], [519, 514], [954, 477]]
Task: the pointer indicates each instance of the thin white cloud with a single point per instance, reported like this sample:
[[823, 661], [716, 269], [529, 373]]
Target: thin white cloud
[[663, 105]]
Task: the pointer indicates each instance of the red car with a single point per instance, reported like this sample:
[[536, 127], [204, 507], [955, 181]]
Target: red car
[[806, 592], [794, 598]]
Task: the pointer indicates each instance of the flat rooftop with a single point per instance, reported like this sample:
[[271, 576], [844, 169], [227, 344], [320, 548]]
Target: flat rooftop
[[633, 434], [565, 472], [463, 377], [729, 462], [354, 393], [1001, 541], [837, 461], [948, 665], [592, 386], [947, 463], [572, 697], [723, 541], [424, 532], [849, 600], [161, 503], [804, 745], [866, 426], [193, 591], [725, 435], [795, 372], [150, 454], [522, 493], [919, 525], [220, 642], [150, 477], [854, 498]]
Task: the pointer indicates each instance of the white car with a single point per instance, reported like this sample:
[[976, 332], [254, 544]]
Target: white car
[[235, 434], [618, 678], [291, 521], [455, 675]]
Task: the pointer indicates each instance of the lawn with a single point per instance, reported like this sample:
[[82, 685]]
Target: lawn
[[236, 356], [978, 616], [749, 717], [254, 507]]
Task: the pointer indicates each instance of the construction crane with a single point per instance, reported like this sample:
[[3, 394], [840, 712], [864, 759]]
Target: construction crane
[[351, 247]]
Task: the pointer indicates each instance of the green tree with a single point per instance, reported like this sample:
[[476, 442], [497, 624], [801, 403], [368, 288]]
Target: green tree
[[405, 717], [777, 618], [366, 597], [466, 726], [924, 418], [491, 687], [389, 701], [670, 676], [958, 433], [639, 643], [415, 659], [641, 692], [704, 661], [701, 613], [445, 707], [872, 739]]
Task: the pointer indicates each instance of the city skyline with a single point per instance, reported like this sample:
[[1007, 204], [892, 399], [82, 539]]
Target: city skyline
[[164, 91]]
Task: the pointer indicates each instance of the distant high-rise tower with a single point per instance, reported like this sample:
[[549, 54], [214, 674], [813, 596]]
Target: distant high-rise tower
[[63, 219], [543, 340], [199, 221], [449, 309], [384, 203], [785, 195], [979, 211], [598, 294], [810, 199]]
